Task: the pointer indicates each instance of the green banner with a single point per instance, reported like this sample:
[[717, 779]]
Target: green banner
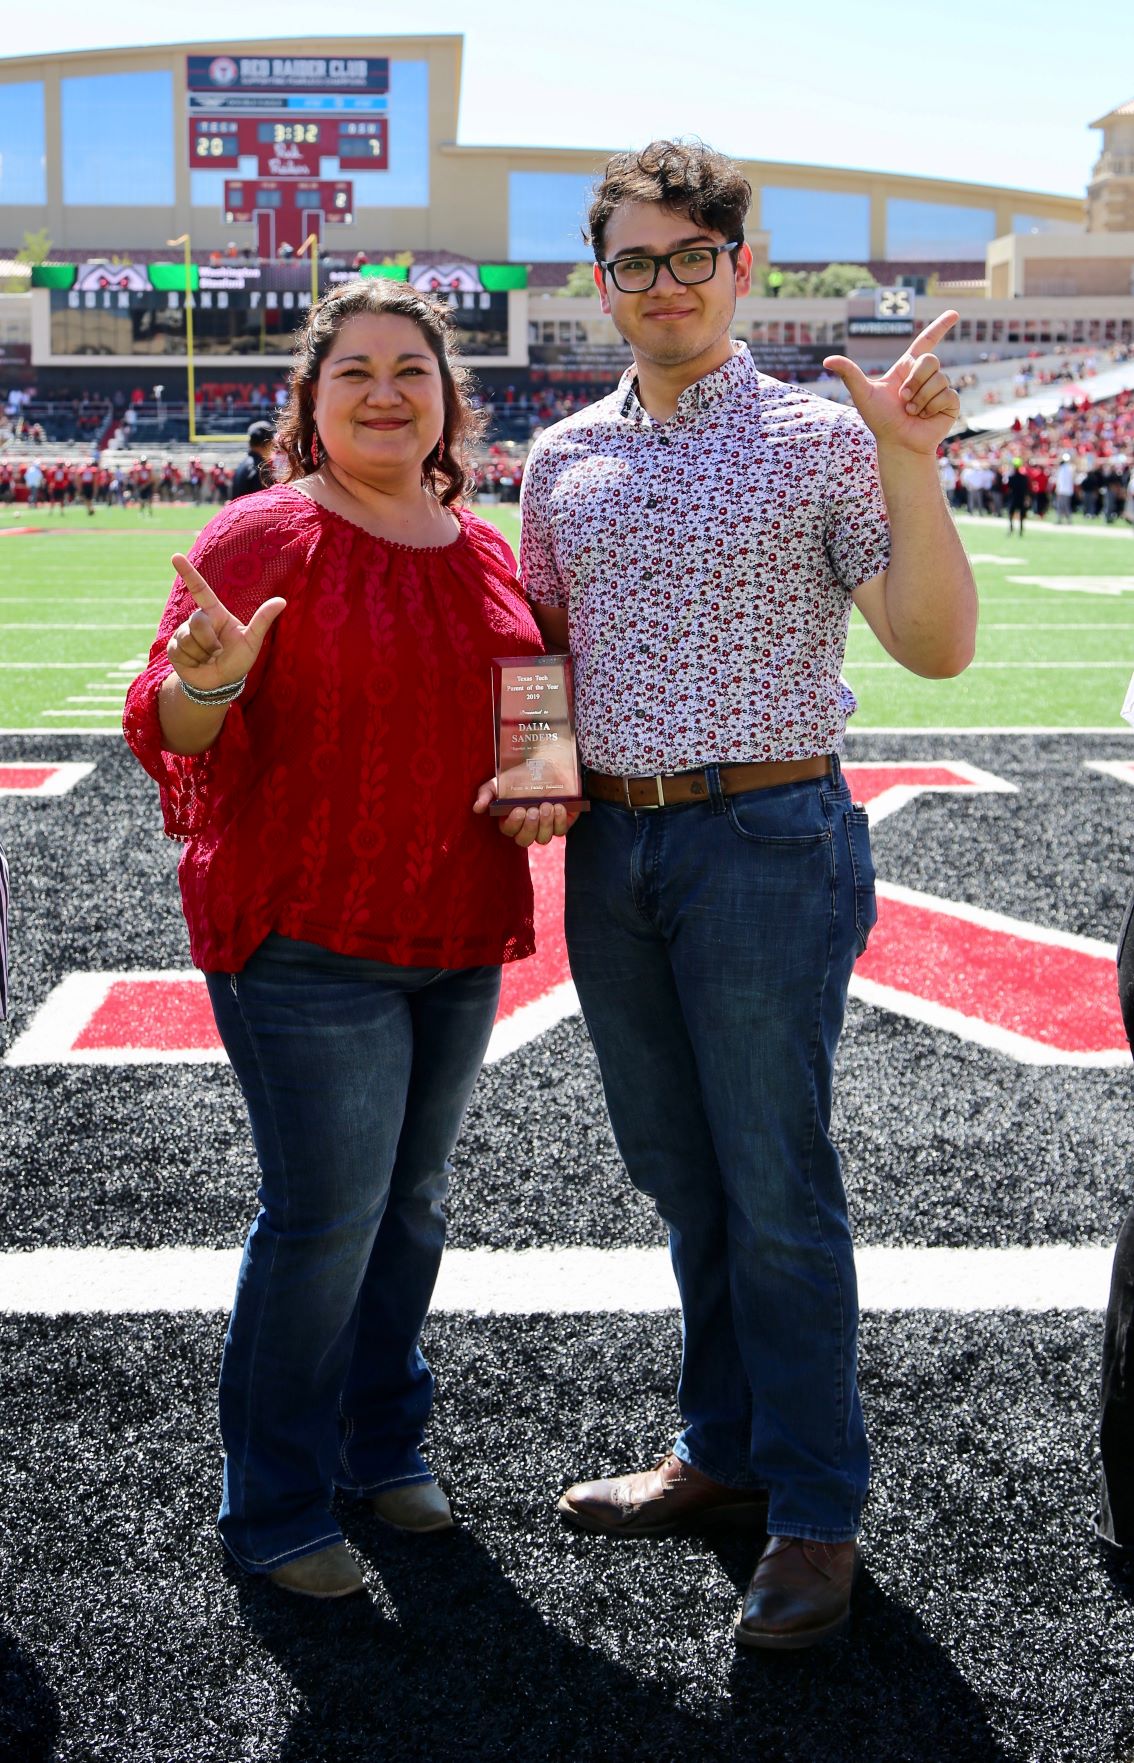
[[54, 275], [500, 278], [169, 278], [389, 272]]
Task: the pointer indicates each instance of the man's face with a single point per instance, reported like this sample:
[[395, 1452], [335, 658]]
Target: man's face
[[670, 324]]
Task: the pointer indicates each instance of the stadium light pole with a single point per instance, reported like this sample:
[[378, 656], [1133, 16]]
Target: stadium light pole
[[311, 243], [184, 240]]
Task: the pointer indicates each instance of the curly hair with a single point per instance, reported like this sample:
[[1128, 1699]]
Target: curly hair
[[446, 470], [684, 177]]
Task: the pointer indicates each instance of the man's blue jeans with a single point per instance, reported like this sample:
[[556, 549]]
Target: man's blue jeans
[[712, 946], [356, 1075]]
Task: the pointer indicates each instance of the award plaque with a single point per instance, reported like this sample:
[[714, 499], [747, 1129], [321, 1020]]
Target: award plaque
[[537, 759]]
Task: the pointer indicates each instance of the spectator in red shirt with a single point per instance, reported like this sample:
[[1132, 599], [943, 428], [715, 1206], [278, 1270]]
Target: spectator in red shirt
[[317, 712]]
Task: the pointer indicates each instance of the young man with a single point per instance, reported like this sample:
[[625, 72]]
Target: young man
[[698, 538]]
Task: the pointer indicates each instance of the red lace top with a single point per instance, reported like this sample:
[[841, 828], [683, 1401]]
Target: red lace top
[[335, 806]]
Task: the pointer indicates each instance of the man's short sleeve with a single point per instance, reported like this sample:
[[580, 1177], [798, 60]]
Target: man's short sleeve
[[856, 527], [543, 584]]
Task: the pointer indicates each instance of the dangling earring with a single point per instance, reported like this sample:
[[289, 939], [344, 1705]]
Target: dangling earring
[[314, 446], [441, 449]]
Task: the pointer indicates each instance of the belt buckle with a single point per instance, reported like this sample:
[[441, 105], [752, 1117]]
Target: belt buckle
[[645, 806]]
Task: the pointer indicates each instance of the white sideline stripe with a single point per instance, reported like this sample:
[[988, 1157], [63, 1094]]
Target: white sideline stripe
[[854, 666], [517, 1282], [926, 731], [1079, 529]]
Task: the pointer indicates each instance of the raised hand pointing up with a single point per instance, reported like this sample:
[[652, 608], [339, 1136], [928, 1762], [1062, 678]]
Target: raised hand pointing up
[[912, 405], [213, 649]]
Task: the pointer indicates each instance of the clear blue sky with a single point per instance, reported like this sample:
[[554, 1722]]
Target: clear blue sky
[[998, 94]]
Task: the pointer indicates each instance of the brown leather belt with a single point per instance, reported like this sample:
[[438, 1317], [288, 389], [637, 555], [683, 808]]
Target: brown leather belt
[[672, 789]]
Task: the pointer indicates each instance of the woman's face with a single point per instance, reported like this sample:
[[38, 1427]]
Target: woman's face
[[379, 398]]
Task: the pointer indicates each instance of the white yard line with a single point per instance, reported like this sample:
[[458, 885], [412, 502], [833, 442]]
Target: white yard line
[[515, 1282], [16, 624], [1022, 624], [924, 731], [927, 731]]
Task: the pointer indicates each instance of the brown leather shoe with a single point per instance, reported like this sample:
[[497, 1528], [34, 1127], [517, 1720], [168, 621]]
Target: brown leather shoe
[[799, 1594], [328, 1573], [668, 1497]]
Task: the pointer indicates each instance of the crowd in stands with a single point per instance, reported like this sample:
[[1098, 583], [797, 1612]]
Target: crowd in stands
[[1077, 461], [1030, 379], [29, 420]]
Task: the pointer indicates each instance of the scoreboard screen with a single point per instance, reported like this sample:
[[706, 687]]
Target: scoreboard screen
[[290, 145]]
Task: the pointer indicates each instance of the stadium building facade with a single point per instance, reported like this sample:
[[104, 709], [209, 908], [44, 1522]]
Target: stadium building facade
[[170, 180]]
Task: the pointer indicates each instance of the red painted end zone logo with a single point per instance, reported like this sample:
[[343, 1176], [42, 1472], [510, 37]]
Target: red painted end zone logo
[[164, 1017], [1034, 994], [37, 777], [884, 788]]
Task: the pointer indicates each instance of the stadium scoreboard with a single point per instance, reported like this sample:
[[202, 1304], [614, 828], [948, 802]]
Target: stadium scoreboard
[[288, 133]]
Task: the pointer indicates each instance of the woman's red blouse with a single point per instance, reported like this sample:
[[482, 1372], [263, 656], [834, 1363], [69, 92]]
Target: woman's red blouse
[[335, 806]]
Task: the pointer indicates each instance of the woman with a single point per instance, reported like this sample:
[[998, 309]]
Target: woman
[[317, 712]]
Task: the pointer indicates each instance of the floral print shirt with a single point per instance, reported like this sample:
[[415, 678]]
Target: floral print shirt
[[707, 564]]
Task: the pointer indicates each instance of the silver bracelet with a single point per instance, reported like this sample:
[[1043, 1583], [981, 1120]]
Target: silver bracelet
[[219, 696]]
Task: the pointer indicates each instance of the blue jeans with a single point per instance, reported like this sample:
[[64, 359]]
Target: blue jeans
[[712, 946], [356, 1075]]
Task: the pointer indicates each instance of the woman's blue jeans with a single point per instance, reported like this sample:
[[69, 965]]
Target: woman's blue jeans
[[357, 1075], [712, 946]]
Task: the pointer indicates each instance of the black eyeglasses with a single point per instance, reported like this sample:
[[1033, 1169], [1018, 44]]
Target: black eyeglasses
[[637, 275]]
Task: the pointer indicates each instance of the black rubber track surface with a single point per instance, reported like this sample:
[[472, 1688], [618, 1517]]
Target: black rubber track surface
[[985, 1626]]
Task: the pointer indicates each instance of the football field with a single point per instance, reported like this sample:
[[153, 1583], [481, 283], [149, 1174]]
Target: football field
[[985, 1113], [80, 598]]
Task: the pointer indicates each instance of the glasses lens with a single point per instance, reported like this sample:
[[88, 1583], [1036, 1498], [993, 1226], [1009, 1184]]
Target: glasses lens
[[632, 274], [692, 266]]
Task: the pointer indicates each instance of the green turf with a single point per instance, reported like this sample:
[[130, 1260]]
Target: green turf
[[1046, 656], [1054, 657]]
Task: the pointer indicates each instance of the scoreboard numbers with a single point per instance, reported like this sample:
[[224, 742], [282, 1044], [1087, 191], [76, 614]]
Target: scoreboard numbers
[[280, 134], [215, 140], [362, 140]]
